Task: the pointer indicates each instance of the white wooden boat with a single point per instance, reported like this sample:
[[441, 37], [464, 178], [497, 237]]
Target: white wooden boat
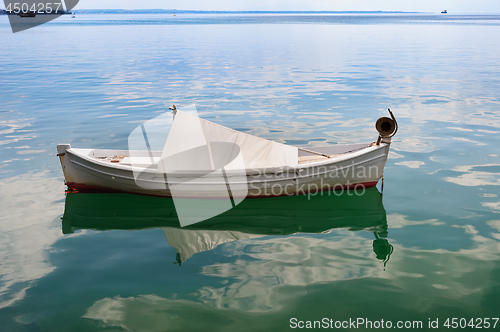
[[204, 159]]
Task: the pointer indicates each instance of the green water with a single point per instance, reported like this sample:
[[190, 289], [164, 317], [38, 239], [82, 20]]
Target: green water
[[427, 249]]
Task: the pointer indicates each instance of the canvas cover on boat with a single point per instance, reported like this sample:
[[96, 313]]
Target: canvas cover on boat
[[198, 144]]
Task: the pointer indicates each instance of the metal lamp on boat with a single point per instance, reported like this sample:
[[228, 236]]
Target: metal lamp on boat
[[387, 127]]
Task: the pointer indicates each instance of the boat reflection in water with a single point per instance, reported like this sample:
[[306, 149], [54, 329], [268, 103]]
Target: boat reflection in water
[[253, 218]]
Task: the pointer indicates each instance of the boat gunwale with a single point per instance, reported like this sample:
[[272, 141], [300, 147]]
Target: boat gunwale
[[299, 168]]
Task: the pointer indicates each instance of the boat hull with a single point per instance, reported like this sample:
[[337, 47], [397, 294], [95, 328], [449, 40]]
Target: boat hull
[[356, 171]]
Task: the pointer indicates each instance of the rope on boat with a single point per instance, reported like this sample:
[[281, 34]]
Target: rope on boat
[[331, 155], [314, 152]]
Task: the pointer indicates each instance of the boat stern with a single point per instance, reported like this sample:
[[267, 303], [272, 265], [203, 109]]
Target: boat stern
[[61, 153]]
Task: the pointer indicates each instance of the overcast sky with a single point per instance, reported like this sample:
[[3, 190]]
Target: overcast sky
[[453, 6]]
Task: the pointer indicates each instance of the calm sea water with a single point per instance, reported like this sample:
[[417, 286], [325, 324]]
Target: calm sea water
[[429, 249]]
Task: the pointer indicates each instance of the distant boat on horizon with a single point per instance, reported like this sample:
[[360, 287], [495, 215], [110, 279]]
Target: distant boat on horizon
[[27, 14], [444, 12]]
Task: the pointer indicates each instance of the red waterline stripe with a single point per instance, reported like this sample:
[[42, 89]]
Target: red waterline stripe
[[85, 188]]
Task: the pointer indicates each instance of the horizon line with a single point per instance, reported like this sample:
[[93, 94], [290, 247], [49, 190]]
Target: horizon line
[[251, 11]]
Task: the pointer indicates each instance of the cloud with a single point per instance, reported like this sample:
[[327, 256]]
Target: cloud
[[476, 175], [30, 204], [279, 275]]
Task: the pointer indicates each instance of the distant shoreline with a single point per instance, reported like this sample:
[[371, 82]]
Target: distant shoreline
[[4, 12], [175, 11]]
